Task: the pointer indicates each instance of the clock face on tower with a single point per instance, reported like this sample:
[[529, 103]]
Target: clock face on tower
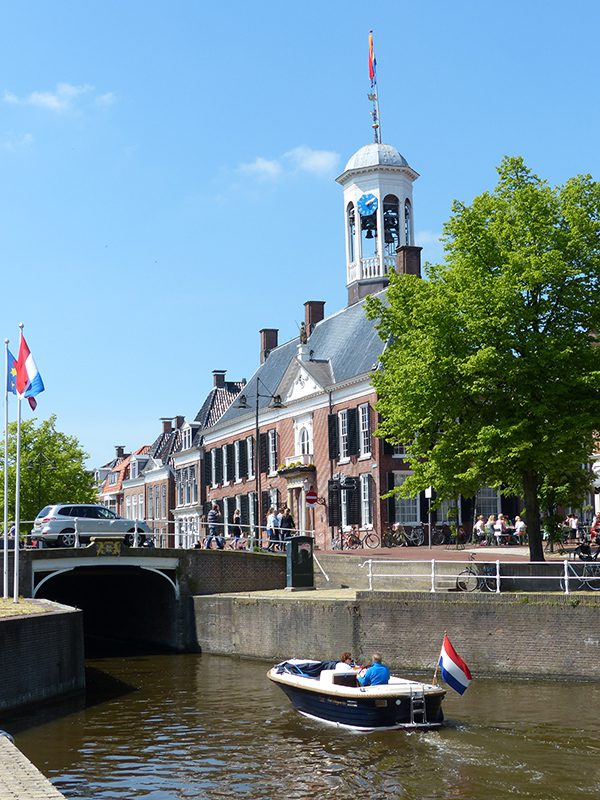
[[367, 205]]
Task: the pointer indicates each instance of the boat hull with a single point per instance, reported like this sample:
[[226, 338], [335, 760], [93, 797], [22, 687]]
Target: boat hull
[[361, 711]]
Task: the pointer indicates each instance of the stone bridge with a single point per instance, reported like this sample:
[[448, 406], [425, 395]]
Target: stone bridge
[[141, 594]]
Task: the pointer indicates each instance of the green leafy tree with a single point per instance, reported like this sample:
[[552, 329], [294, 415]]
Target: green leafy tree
[[491, 368], [52, 469]]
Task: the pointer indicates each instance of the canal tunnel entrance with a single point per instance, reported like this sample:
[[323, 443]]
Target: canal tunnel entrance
[[119, 603]]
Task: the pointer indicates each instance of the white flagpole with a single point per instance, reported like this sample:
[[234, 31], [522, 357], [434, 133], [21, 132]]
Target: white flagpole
[[17, 493], [5, 567]]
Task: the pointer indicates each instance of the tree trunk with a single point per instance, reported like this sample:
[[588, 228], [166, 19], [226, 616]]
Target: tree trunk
[[532, 512]]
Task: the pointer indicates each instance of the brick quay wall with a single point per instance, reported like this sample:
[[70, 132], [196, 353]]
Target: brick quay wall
[[41, 656], [534, 635]]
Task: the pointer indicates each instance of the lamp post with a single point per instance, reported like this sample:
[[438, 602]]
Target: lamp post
[[243, 403], [39, 462]]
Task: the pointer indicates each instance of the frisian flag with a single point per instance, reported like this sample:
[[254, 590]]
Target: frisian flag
[[454, 670], [28, 380]]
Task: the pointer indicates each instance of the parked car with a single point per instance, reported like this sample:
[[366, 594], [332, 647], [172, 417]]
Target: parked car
[[57, 525]]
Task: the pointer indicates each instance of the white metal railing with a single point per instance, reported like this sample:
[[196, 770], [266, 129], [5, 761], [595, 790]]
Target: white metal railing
[[488, 572]]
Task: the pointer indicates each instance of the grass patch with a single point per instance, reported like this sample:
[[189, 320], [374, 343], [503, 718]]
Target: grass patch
[[25, 606]]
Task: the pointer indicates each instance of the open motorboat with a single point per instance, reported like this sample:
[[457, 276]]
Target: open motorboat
[[317, 690]]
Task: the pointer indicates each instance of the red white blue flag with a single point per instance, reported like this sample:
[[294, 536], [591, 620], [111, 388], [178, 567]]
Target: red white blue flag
[[29, 380], [372, 60], [454, 670]]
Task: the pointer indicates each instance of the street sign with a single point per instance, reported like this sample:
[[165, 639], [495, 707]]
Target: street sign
[[311, 498]]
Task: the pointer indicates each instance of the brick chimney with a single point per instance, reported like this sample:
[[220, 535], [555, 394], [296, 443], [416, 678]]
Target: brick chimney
[[408, 260], [268, 341], [119, 450], [219, 378], [166, 424], [314, 311]]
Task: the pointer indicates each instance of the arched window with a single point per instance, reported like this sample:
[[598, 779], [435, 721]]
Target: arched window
[[407, 222], [351, 230], [391, 223], [304, 442]]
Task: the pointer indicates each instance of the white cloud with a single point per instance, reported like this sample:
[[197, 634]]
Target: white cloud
[[262, 167], [317, 162], [106, 99], [297, 160], [11, 142], [430, 241], [61, 99]]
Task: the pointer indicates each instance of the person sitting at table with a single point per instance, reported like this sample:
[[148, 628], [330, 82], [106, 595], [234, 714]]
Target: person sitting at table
[[499, 528], [595, 529], [520, 529], [479, 529], [489, 528]]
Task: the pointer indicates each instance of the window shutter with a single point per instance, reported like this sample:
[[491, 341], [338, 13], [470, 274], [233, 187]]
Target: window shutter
[[217, 454], [207, 467], [334, 440], [391, 500], [245, 509], [353, 501], [276, 437], [264, 452], [243, 451], [254, 496], [352, 431], [388, 448], [334, 504], [264, 505], [230, 463]]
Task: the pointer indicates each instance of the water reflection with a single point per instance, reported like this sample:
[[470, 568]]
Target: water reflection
[[189, 726]]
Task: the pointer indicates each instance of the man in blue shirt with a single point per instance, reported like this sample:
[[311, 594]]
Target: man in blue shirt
[[377, 674]]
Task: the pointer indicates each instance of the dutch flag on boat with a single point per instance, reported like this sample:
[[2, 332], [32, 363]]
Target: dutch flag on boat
[[454, 670]]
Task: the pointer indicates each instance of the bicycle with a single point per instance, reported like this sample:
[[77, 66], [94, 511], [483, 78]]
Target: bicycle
[[352, 539], [588, 578], [481, 577], [399, 536], [440, 534]]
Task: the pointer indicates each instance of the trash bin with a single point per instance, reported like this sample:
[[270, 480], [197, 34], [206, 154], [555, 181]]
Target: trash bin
[[299, 563]]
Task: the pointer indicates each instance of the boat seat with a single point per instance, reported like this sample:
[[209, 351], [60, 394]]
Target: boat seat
[[345, 679], [326, 675]]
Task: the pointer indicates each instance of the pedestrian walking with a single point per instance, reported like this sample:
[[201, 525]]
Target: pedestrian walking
[[213, 520]]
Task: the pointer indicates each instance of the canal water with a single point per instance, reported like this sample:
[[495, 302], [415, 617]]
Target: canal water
[[167, 727]]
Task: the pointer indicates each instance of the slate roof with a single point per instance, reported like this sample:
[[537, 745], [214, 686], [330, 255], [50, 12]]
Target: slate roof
[[122, 470], [347, 341], [217, 401], [165, 445]]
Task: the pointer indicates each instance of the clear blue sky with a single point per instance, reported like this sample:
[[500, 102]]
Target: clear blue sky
[[167, 170]]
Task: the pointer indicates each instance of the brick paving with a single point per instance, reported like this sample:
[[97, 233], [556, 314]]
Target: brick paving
[[440, 552], [20, 779]]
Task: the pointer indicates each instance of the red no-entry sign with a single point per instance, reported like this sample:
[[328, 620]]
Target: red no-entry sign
[[311, 498]]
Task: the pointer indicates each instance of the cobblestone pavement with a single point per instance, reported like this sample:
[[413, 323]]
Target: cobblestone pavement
[[20, 779], [439, 552]]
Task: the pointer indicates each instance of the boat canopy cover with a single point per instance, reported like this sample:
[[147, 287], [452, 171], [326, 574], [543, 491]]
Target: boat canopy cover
[[308, 669]]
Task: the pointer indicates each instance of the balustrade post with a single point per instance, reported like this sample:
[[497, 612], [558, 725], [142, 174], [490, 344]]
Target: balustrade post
[[497, 577], [566, 575], [432, 575], [76, 533]]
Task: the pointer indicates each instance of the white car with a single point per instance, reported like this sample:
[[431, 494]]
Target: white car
[[59, 523]]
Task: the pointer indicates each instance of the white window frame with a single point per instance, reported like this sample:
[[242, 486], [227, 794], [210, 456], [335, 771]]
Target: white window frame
[[272, 442], [442, 512], [225, 481], [343, 434], [303, 441], [213, 468], [141, 505], [365, 431], [250, 446], [134, 508], [193, 473], [344, 510], [406, 511], [128, 507], [236, 460], [226, 501], [492, 498], [366, 501], [399, 451]]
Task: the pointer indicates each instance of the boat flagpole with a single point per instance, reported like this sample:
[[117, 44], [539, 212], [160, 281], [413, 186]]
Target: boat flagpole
[[437, 663]]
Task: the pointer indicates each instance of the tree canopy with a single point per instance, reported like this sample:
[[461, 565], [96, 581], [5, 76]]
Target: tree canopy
[[491, 369], [52, 468]]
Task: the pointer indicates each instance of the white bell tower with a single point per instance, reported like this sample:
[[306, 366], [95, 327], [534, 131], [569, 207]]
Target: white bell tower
[[378, 218]]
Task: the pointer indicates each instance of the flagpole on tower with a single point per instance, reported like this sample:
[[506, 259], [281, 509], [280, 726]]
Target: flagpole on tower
[[18, 491], [5, 566], [373, 94]]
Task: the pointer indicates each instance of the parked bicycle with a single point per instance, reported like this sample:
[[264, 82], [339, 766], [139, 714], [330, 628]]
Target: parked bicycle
[[399, 536], [477, 576], [354, 538], [583, 577], [440, 534]]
